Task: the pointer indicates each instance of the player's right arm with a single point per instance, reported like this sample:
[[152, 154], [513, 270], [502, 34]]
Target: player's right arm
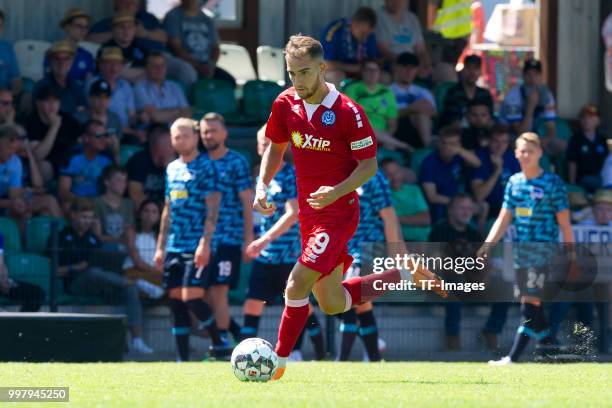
[[270, 164], [497, 231], [163, 235], [282, 225]]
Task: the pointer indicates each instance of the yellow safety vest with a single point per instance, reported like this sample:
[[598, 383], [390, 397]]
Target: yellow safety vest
[[454, 19]]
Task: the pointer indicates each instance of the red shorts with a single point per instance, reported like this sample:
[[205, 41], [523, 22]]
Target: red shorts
[[325, 238]]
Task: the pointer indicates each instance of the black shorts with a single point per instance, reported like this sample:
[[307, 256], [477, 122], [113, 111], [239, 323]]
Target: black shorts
[[538, 281], [180, 271], [268, 281], [224, 267]]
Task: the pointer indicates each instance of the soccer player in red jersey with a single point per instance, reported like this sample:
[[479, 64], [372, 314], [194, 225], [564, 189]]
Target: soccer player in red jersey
[[334, 150]]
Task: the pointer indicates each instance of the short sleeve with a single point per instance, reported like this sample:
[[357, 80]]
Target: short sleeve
[[71, 168], [417, 31], [509, 201], [16, 175], [382, 193], [210, 180], [140, 95], [360, 135], [243, 174], [391, 105], [276, 129], [550, 109], [559, 196], [180, 95], [419, 203], [167, 184], [512, 107], [329, 41], [427, 171], [172, 24]]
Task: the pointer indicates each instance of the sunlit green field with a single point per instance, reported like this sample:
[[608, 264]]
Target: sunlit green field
[[322, 384]]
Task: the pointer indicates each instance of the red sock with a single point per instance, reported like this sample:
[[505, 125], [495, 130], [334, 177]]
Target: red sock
[[362, 289], [292, 323]]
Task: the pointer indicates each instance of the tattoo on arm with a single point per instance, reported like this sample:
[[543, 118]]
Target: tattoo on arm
[[213, 201]]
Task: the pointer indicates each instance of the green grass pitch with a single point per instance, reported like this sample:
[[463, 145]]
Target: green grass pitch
[[326, 384]]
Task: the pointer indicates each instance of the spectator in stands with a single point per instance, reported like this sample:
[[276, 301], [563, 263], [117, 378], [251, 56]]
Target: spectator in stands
[[79, 247], [159, 100], [532, 103], [51, 132], [460, 96], [140, 264], [443, 171], [601, 211], [7, 109], [148, 27], [398, 30], [416, 105], [30, 296], [408, 201], [147, 169], [115, 213], [606, 170], [61, 58], [587, 151], [479, 120], [76, 25], [134, 51], [11, 200], [462, 240], [378, 103], [10, 76], [79, 177], [193, 37], [99, 102], [122, 102], [33, 192], [347, 43], [498, 163], [150, 34]]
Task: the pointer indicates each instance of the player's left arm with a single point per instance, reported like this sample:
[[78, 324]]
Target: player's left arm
[[393, 232]]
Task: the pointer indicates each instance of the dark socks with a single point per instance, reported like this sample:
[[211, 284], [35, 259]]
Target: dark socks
[[313, 328], [203, 313], [181, 328], [250, 326], [534, 325], [348, 328], [234, 329], [369, 334]]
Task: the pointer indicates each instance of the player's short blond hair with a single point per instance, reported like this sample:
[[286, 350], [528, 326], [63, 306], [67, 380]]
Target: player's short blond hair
[[300, 45], [530, 137], [184, 123]]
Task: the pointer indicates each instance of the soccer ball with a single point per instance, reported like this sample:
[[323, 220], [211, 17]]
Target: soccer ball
[[254, 359]]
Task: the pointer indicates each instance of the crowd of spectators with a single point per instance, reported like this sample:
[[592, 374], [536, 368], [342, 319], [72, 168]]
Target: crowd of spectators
[[60, 140]]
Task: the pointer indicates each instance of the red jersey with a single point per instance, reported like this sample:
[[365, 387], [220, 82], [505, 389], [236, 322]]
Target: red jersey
[[327, 146]]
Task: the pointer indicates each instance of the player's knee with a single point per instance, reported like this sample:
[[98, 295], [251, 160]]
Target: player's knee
[[331, 307], [297, 286]]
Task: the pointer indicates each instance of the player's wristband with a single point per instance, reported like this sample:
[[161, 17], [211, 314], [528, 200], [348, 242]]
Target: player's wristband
[[261, 186]]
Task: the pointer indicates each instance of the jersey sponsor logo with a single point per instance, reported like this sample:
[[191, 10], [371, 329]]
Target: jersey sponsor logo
[[179, 194], [311, 142], [328, 118], [362, 144]]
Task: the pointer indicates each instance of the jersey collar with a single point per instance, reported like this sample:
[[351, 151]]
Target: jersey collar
[[329, 99]]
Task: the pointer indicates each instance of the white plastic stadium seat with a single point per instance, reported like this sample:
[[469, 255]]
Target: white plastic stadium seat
[[271, 64], [31, 57], [90, 47], [236, 60]]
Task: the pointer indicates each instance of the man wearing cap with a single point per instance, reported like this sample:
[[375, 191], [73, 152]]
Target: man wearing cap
[[459, 96], [51, 132], [587, 151], [99, 101], [134, 51], [159, 100], [526, 105], [75, 25], [61, 58], [148, 27], [416, 106], [110, 64]]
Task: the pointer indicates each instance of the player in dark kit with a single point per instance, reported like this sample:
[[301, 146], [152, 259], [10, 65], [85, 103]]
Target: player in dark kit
[[183, 250], [378, 223], [334, 150], [235, 227], [535, 201], [274, 253]]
